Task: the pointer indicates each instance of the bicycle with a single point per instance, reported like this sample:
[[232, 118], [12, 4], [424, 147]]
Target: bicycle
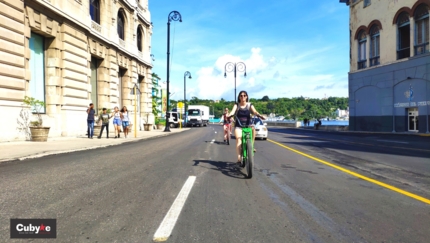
[[247, 149]]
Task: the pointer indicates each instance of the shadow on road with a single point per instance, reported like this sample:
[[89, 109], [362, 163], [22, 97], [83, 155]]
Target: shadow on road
[[227, 168]]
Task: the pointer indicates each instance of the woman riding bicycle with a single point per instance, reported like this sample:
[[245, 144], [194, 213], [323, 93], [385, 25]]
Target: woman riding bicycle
[[243, 114], [226, 120]]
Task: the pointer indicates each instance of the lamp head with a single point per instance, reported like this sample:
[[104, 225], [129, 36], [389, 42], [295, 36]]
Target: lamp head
[[225, 75], [189, 76], [245, 74]]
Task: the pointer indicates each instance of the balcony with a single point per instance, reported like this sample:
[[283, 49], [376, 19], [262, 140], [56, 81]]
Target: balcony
[[403, 53], [96, 26], [421, 48], [361, 64], [374, 61]]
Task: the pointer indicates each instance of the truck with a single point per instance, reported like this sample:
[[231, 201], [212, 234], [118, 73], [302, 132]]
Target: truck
[[173, 119], [198, 115]]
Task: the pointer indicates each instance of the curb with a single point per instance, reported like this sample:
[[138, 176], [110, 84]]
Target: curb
[[85, 148]]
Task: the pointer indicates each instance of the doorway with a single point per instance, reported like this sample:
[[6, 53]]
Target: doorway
[[413, 119]]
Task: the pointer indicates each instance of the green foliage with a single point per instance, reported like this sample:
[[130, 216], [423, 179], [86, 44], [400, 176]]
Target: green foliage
[[291, 108], [156, 101], [35, 106], [160, 121]]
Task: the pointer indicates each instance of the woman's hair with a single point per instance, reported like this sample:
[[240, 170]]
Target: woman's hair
[[122, 110], [116, 107], [238, 96]]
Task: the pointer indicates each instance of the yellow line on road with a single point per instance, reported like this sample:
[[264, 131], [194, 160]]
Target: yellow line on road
[[414, 196]]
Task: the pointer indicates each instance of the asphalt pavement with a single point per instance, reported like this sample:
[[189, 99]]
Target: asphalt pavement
[[308, 186]]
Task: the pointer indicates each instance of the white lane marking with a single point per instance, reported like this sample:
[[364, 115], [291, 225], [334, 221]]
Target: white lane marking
[[215, 132], [389, 141], [165, 229], [213, 140]]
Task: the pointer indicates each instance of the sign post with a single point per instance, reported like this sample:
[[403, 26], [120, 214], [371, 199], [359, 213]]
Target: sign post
[[180, 105]]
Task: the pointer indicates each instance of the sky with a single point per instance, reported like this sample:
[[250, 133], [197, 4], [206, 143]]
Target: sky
[[290, 48]]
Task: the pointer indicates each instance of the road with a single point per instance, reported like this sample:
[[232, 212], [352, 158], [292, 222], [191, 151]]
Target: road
[[308, 186]]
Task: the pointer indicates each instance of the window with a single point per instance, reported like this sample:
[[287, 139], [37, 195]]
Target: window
[[37, 68], [421, 29], [362, 50], [374, 46], [95, 10], [403, 36], [120, 25], [139, 39], [94, 67], [121, 79], [366, 3]]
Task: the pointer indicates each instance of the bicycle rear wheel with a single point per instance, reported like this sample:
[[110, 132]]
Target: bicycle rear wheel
[[228, 135], [249, 159]]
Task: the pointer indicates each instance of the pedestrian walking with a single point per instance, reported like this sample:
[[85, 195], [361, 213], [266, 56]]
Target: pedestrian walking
[[117, 121], [90, 121], [125, 120], [104, 117]]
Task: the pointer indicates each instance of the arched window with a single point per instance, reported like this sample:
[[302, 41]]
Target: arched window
[[421, 29], [139, 38], [95, 10], [121, 25], [361, 58], [374, 46], [403, 36]]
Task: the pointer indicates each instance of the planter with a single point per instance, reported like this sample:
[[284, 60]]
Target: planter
[[97, 129], [39, 134], [147, 127], [160, 126]]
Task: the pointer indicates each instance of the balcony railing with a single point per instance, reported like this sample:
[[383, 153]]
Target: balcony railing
[[361, 64], [96, 26], [404, 53], [421, 48], [374, 61]]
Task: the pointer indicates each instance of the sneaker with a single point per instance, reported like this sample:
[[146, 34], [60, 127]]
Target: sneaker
[[116, 137], [99, 137]]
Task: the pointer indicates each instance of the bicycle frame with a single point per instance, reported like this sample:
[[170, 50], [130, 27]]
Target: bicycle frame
[[246, 134]]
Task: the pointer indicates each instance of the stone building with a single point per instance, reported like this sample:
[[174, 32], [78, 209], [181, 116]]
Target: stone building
[[389, 78], [69, 53]]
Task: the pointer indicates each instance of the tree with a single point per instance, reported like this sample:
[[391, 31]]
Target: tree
[[265, 98]]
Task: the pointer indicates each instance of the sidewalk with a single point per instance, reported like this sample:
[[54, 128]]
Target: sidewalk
[[21, 150]]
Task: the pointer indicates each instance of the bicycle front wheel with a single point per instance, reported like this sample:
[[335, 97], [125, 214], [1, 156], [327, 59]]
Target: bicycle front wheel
[[249, 159]]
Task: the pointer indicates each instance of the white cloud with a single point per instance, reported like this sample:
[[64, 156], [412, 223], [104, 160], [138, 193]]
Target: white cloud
[[301, 74]]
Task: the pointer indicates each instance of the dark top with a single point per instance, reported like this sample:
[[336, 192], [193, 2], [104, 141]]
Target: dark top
[[226, 119], [243, 115], [91, 114], [104, 118]]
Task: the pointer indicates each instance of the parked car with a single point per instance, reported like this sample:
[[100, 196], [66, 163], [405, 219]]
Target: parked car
[[260, 128]]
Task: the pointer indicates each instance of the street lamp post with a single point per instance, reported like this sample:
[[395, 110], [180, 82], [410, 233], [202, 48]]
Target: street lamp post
[[234, 67], [186, 74], [173, 16]]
